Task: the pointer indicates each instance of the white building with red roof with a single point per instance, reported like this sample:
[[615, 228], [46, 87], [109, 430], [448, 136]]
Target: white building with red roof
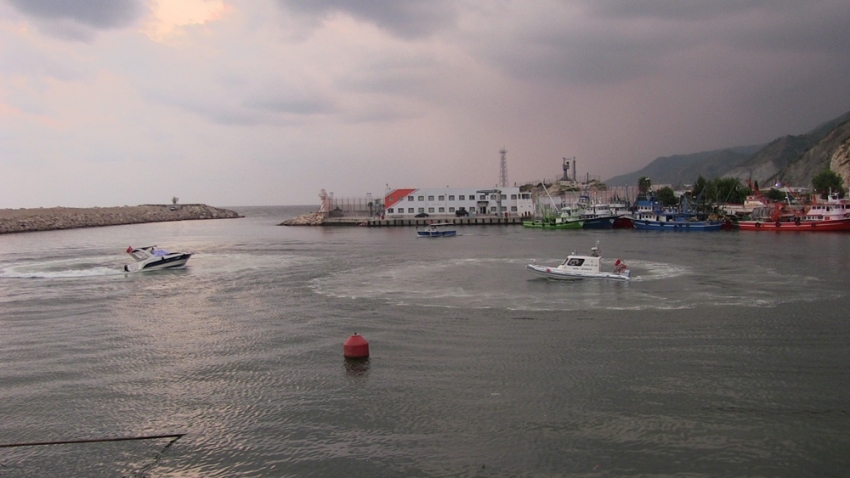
[[498, 201]]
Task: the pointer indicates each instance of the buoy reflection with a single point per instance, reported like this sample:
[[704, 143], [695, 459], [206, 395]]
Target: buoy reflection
[[356, 367]]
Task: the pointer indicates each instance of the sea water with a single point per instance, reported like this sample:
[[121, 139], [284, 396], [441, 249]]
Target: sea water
[[726, 354]]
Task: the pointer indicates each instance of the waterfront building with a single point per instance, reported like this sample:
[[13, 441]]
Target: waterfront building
[[500, 201]]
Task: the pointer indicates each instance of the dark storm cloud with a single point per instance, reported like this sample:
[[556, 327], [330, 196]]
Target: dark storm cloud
[[402, 18], [677, 9], [615, 41], [99, 14], [759, 23]]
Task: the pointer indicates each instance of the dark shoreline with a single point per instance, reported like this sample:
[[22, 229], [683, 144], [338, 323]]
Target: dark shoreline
[[57, 218]]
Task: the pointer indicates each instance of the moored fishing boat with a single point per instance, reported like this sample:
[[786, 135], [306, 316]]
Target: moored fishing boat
[[568, 218], [830, 216], [651, 216], [675, 221]]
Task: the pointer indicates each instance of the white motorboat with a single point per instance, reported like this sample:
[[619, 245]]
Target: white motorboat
[[150, 258], [577, 266]]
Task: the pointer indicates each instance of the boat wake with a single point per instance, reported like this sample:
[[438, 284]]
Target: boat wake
[[643, 271], [502, 283], [64, 268], [113, 265]]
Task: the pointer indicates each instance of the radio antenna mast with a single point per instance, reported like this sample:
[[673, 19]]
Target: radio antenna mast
[[503, 172]]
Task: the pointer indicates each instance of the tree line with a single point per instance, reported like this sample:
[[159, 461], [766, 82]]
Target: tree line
[[730, 190]]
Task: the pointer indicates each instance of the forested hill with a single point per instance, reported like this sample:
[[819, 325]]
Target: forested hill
[[685, 168], [792, 159]]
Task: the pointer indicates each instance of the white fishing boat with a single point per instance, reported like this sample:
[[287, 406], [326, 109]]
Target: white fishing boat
[[577, 266], [150, 258]]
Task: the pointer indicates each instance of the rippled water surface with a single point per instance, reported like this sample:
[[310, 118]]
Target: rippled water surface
[[726, 355]]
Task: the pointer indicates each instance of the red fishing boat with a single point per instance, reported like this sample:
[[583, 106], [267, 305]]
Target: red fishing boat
[[831, 215]]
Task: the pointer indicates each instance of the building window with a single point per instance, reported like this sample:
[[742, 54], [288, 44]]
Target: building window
[[493, 197], [421, 198], [513, 196], [390, 210], [451, 209], [513, 208], [483, 197], [526, 196], [410, 198], [505, 196], [461, 198], [430, 209], [441, 198], [421, 209], [410, 210], [442, 209], [430, 198], [492, 208], [451, 197]]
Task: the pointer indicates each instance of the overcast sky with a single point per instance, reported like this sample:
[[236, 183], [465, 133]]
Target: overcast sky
[[266, 102]]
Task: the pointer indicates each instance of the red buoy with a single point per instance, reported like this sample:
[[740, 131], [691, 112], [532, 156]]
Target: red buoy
[[355, 347]]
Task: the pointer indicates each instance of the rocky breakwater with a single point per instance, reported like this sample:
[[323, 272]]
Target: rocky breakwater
[[311, 219], [48, 219]]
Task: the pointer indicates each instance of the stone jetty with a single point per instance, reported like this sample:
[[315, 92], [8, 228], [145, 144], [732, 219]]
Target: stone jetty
[[48, 219], [310, 219]]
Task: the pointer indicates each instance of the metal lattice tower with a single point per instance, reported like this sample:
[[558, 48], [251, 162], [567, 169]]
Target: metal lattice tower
[[503, 172]]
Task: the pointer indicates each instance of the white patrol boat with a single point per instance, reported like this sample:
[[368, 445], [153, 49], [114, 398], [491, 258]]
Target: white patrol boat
[[577, 267], [150, 258]]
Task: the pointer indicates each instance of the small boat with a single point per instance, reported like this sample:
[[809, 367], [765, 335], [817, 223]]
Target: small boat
[[435, 230], [150, 258], [577, 266]]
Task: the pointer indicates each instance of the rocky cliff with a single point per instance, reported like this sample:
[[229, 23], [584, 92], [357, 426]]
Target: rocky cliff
[[840, 162], [46, 219], [794, 160], [817, 158]]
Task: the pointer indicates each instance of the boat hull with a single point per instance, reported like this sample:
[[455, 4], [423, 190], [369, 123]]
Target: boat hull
[[599, 222], [551, 225], [436, 233], [803, 226], [623, 222], [679, 226], [559, 274], [168, 262]]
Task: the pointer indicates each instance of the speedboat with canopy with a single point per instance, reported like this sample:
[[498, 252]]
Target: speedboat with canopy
[[149, 258]]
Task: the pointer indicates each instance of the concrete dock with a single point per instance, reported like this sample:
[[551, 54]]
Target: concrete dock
[[457, 221]]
